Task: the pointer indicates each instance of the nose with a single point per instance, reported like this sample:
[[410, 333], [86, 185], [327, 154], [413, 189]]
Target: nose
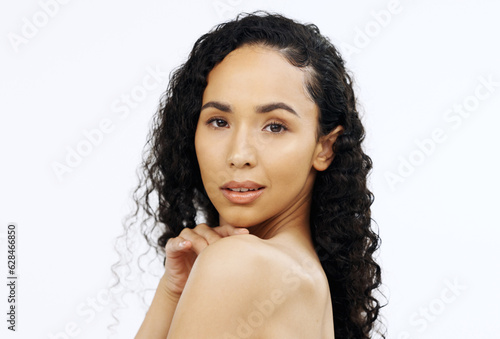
[[242, 152]]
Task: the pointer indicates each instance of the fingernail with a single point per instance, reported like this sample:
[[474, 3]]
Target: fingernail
[[241, 231], [183, 244]]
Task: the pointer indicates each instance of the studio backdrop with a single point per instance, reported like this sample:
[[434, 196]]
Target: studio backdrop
[[81, 80]]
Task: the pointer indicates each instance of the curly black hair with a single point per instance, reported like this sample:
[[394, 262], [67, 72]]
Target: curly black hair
[[340, 213]]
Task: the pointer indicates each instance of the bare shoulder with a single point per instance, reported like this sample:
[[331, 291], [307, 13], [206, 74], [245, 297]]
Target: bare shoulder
[[243, 286], [245, 261], [266, 263], [242, 247]]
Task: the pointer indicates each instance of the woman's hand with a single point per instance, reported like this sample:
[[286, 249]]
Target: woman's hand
[[182, 251]]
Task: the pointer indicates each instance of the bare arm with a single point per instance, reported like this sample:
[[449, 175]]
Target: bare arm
[[226, 282], [160, 314], [181, 253]]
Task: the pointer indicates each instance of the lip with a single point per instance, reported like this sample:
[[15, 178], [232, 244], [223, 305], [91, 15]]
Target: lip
[[242, 197]]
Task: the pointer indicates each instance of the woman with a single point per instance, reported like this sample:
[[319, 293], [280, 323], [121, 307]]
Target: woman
[[258, 135]]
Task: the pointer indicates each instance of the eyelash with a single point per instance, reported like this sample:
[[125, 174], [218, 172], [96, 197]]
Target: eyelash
[[211, 121], [280, 125]]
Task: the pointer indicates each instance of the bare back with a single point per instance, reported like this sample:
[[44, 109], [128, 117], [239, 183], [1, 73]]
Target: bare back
[[298, 305], [310, 312], [247, 287]]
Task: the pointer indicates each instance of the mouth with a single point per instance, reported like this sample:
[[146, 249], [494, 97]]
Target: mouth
[[241, 189], [242, 192]]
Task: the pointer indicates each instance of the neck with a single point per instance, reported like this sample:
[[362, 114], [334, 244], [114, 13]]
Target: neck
[[291, 224]]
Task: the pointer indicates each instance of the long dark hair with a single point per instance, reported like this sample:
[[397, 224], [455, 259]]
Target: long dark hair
[[340, 212]]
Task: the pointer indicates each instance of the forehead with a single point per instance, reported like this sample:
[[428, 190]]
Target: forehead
[[258, 74]]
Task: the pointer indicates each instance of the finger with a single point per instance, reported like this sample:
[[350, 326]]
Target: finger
[[198, 242], [176, 245], [212, 234], [228, 230]]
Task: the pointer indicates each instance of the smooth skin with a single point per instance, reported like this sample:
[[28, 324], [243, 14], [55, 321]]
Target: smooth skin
[[257, 275]]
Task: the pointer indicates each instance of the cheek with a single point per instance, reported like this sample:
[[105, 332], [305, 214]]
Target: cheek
[[203, 147], [209, 160], [290, 161], [201, 154]]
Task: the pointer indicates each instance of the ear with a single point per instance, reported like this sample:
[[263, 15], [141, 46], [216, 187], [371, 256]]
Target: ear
[[324, 149]]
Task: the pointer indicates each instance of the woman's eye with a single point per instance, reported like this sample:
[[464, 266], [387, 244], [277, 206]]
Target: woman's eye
[[221, 123], [275, 127]]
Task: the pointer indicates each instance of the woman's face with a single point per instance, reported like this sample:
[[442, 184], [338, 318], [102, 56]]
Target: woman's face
[[256, 138]]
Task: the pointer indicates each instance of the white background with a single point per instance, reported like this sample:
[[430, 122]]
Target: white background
[[414, 65]]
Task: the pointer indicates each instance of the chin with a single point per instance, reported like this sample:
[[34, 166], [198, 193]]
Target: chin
[[239, 222], [239, 219]]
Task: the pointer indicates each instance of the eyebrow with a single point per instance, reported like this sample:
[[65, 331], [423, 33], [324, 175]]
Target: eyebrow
[[259, 109]]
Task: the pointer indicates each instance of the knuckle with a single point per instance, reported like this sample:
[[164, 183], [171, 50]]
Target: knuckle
[[202, 226], [185, 231], [169, 242]]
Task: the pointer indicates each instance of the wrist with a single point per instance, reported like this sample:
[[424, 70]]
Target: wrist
[[167, 291]]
